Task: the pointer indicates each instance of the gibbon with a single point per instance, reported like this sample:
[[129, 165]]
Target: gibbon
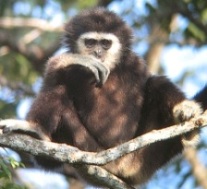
[[100, 94]]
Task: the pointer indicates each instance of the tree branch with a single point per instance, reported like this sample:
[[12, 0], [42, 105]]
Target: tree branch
[[188, 14], [11, 22], [72, 155], [199, 171], [62, 153], [103, 177], [36, 55]]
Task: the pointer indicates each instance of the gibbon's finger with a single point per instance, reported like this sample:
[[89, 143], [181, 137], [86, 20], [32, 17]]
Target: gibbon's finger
[[95, 71], [103, 72]]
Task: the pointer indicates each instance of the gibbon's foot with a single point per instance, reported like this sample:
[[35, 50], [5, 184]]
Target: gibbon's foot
[[21, 126], [100, 71], [184, 111]]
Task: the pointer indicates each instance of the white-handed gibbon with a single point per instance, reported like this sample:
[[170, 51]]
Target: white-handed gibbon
[[100, 94]]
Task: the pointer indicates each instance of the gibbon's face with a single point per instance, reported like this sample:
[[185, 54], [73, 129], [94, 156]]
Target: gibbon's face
[[103, 46]]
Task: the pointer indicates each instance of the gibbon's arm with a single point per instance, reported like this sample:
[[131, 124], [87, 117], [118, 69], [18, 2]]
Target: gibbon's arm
[[171, 102], [100, 71]]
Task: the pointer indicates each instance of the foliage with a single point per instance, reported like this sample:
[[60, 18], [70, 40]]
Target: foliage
[[194, 11], [7, 164]]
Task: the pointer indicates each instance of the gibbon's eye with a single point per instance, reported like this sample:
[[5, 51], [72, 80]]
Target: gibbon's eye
[[106, 44], [89, 43]]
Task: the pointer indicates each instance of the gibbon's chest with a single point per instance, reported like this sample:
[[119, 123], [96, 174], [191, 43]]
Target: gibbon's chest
[[112, 111]]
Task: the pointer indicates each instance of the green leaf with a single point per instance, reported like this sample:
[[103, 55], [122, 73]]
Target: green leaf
[[14, 163], [5, 172], [204, 15], [196, 32]]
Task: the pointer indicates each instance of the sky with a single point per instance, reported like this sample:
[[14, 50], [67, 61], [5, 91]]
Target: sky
[[176, 60]]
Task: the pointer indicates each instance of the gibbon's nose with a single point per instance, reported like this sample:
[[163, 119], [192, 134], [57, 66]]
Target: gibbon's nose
[[98, 53]]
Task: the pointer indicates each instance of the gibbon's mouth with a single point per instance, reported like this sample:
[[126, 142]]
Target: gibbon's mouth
[[100, 59]]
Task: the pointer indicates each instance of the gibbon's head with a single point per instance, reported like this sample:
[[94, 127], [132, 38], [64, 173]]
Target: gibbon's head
[[100, 33]]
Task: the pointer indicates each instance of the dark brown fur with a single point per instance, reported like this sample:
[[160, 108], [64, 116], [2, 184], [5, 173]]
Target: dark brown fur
[[71, 110], [130, 103]]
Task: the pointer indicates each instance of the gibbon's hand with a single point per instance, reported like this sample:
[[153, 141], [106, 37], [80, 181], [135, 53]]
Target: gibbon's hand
[[21, 126], [184, 111], [100, 71]]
